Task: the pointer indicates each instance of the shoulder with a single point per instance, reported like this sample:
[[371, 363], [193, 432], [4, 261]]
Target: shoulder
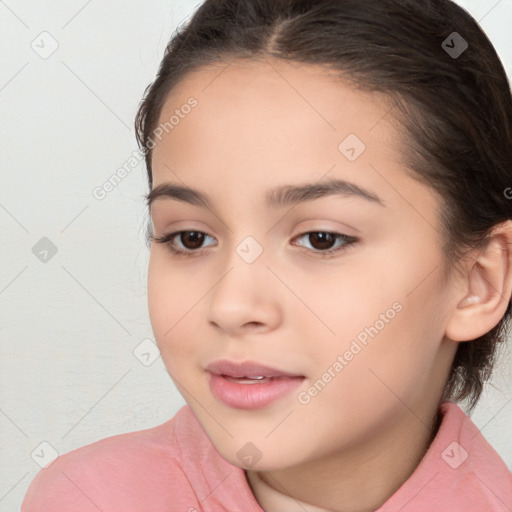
[[481, 474], [470, 474], [134, 471], [460, 472]]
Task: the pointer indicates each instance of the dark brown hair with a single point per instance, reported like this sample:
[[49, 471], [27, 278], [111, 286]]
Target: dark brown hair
[[455, 110]]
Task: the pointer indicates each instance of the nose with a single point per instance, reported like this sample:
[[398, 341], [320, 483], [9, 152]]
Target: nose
[[245, 299]]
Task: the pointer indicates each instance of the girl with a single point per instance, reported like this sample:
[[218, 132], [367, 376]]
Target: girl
[[330, 267]]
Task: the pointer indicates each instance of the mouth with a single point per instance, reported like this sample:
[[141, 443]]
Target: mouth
[[249, 385], [248, 370]]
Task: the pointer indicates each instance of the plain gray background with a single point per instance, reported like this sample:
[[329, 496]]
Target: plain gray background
[[72, 75]]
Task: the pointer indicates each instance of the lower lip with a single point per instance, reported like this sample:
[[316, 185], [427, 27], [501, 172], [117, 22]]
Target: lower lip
[[251, 396]]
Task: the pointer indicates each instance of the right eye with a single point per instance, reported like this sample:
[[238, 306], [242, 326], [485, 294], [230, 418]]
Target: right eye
[[191, 240]]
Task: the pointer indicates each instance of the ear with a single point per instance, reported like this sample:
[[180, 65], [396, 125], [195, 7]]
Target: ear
[[486, 288]]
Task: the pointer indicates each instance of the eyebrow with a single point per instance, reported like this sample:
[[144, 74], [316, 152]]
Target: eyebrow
[[281, 196]]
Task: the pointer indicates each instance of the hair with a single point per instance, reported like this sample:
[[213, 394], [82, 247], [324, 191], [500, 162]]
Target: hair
[[454, 111]]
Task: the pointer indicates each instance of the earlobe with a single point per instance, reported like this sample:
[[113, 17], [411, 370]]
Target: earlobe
[[487, 288]]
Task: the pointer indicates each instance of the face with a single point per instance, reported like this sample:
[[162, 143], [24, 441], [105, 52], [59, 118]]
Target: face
[[342, 292]]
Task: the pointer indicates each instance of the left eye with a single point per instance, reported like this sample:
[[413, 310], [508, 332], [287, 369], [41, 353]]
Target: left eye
[[322, 240], [191, 241]]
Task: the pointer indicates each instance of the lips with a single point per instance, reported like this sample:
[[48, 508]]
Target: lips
[[247, 370], [250, 385]]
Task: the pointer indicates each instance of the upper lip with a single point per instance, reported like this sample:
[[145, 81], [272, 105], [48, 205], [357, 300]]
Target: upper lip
[[246, 369]]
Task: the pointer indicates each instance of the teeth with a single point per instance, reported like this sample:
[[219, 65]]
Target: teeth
[[248, 380]]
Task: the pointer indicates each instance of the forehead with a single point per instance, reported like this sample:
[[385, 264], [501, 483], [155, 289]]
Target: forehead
[[272, 88], [274, 111]]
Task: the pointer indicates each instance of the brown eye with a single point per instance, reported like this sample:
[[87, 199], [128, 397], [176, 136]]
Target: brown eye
[[321, 239], [191, 239], [323, 242], [190, 242]]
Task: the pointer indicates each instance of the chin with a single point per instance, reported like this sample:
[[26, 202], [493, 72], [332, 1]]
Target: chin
[[257, 456]]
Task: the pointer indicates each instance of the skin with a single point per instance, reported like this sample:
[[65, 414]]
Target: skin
[[259, 124]]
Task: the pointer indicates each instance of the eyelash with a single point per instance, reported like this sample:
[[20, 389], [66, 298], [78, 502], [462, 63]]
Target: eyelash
[[168, 240]]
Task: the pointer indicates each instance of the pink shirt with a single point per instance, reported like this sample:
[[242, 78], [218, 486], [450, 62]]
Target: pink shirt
[[174, 467]]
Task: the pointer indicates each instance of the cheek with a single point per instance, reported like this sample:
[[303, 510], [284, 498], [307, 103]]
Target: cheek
[[356, 301], [173, 293], [387, 322], [161, 303], [360, 386], [173, 303]]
